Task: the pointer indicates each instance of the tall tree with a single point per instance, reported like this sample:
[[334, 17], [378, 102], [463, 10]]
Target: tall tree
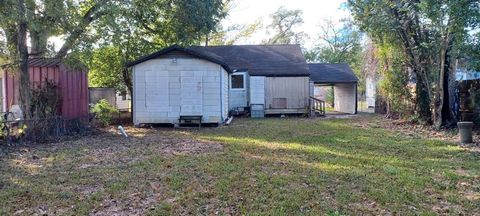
[[339, 43], [80, 23], [284, 24], [232, 34], [143, 27], [39, 20], [428, 32]]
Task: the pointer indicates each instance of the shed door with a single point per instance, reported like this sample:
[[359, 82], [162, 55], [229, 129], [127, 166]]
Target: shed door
[[191, 95]]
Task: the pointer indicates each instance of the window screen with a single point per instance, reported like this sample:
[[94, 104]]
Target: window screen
[[237, 81]]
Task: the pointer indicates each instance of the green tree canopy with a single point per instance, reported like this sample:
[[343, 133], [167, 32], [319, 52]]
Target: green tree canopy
[[339, 43], [131, 27], [429, 32], [284, 25], [143, 27]]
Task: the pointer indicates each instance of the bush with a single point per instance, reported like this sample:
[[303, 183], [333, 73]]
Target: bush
[[104, 112]]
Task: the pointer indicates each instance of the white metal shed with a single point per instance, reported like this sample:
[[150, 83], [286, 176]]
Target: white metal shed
[[177, 82]]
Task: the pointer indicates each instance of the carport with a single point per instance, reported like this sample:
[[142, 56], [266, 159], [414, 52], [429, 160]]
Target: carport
[[343, 81]]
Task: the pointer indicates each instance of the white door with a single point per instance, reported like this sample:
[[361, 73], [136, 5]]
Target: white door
[[191, 95], [238, 91]]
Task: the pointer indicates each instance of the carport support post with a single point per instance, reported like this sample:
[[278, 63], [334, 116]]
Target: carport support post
[[332, 87], [356, 98]]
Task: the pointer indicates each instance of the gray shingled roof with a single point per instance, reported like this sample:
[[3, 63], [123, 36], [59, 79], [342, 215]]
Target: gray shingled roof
[[332, 73], [261, 60], [199, 54]]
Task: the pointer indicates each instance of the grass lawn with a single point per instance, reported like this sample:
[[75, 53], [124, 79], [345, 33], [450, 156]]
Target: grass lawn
[[268, 166]]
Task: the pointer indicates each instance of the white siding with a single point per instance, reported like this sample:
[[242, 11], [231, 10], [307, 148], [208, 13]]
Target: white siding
[[123, 104], [257, 90], [225, 94], [344, 98], [164, 90]]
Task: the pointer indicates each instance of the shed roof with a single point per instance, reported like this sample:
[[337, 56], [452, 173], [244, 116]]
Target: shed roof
[[261, 60], [202, 55], [40, 62], [332, 73], [44, 62]]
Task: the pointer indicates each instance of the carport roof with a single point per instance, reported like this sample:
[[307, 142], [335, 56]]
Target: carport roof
[[332, 73]]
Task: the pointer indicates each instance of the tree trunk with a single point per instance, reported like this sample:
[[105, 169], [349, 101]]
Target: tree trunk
[[39, 43], [442, 86], [423, 102], [22, 49], [127, 79], [450, 85], [91, 15], [451, 92]]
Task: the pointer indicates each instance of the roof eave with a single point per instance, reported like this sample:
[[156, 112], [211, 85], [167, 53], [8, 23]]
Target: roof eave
[[182, 49], [334, 82]]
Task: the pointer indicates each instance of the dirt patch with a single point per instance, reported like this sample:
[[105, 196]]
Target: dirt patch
[[369, 206], [109, 148], [112, 148]]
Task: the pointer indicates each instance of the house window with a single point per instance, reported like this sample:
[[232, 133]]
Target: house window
[[238, 81], [124, 95]]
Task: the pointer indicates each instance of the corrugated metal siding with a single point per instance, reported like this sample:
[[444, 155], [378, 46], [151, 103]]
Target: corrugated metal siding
[[72, 85]]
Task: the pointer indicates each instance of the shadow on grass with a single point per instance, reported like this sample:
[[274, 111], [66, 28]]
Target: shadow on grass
[[372, 164], [271, 166]]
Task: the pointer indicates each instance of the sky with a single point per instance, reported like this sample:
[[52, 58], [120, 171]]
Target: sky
[[315, 12]]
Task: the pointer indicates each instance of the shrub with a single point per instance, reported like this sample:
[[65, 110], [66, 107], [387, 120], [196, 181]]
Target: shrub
[[45, 100], [104, 112]]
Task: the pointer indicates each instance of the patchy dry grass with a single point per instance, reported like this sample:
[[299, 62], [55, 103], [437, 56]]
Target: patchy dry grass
[[270, 166]]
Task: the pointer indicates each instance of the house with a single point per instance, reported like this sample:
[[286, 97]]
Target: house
[[117, 99], [273, 76], [123, 101], [72, 85], [215, 81], [344, 83], [467, 103], [102, 93]]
